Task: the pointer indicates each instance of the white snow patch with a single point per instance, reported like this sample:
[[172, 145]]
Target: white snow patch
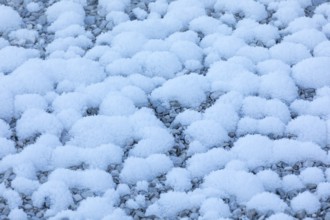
[[308, 128], [216, 159], [96, 130], [234, 183], [207, 132], [312, 73], [266, 201], [188, 90], [306, 201], [136, 169], [9, 19]]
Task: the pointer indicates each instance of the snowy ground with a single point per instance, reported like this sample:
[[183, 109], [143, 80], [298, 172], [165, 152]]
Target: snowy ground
[[161, 109]]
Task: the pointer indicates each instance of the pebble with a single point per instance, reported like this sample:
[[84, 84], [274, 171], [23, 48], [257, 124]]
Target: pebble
[[6, 210], [77, 197], [301, 214], [28, 206], [86, 194]]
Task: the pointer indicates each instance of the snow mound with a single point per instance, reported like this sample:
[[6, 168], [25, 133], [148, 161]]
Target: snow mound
[[96, 130], [93, 179], [290, 53], [12, 57], [9, 19], [214, 208], [305, 201], [98, 158], [170, 204], [312, 72], [37, 121], [137, 169], [250, 9], [153, 140], [207, 132], [256, 150], [234, 183], [266, 202], [188, 90], [217, 159], [308, 128]]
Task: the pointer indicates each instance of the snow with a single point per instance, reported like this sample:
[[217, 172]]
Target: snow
[[57, 9], [273, 65], [234, 183], [258, 108], [213, 208], [117, 105], [93, 179], [23, 36], [152, 140], [57, 192], [305, 201], [99, 157], [323, 190], [290, 53], [266, 202], [4, 129], [291, 151], [96, 130], [312, 72], [128, 43], [17, 214], [278, 85], [179, 179], [7, 147], [291, 182], [188, 90], [270, 180], [13, 57], [280, 216], [24, 185], [187, 117], [312, 175], [164, 64], [308, 128], [37, 121], [215, 135], [136, 169], [217, 159], [322, 49], [250, 9], [256, 150], [169, 204], [12, 197], [223, 113], [266, 126], [9, 19], [208, 25], [308, 37]]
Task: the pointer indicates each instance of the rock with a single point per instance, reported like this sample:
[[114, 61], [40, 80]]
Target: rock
[[89, 20], [77, 197], [301, 214], [28, 206], [252, 214]]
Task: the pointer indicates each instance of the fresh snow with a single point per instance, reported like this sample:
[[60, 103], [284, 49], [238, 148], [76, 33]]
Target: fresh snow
[[161, 109]]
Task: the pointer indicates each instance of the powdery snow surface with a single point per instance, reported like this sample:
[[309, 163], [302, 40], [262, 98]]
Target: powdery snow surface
[[162, 109]]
